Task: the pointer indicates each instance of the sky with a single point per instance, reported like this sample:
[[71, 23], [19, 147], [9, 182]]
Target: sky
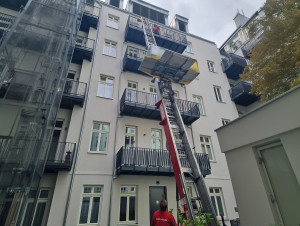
[[209, 19]]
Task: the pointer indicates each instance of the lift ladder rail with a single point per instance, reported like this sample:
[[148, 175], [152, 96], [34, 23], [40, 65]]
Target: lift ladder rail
[[149, 36], [178, 143], [180, 150]]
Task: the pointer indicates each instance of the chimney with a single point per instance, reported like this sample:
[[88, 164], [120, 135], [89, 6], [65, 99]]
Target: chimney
[[240, 19]]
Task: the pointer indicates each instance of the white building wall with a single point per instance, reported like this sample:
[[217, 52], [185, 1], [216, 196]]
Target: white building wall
[[97, 169]]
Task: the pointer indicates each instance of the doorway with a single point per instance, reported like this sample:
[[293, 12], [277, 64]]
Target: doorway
[[283, 183], [156, 194], [55, 140]]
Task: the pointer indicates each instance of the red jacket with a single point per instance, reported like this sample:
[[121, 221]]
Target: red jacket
[[163, 218]]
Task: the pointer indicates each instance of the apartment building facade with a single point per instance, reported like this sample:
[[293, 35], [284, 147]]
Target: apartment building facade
[[235, 57], [107, 162]]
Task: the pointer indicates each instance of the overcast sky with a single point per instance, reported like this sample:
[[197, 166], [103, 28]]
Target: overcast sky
[[209, 19]]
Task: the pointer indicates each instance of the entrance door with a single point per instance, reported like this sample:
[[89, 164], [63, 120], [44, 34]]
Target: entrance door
[[283, 182], [55, 140], [156, 194]]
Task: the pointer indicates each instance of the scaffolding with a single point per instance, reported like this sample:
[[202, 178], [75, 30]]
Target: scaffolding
[[34, 58]]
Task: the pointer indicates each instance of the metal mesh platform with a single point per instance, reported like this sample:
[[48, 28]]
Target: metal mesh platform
[[166, 64]]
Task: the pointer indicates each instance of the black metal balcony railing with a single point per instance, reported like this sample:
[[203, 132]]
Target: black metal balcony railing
[[134, 160], [248, 46], [90, 17], [83, 49], [5, 23], [240, 94], [141, 104], [167, 37], [60, 156], [74, 93], [233, 65], [133, 58]]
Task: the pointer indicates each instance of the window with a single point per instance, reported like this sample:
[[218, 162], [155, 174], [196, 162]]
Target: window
[[39, 210], [217, 200], [110, 48], [99, 137], [153, 96], [148, 13], [115, 3], [199, 101], [90, 205], [189, 48], [218, 94], [131, 91], [176, 94], [105, 87], [130, 136], [152, 89], [211, 66], [113, 22], [206, 147], [155, 139], [225, 121], [128, 203], [182, 26]]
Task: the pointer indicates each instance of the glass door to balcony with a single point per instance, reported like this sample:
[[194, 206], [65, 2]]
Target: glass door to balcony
[[69, 83], [156, 194], [283, 182], [55, 140], [132, 92]]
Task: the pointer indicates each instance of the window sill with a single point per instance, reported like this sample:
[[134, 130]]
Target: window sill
[[109, 55], [127, 223], [108, 98], [112, 27], [214, 72], [98, 153], [213, 161], [221, 102]]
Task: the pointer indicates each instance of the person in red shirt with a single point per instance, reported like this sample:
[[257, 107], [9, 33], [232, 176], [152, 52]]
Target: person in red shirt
[[162, 217]]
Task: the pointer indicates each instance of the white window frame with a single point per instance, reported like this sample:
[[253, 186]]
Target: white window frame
[[199, 100], [211, 66], [204, 148], [156, 138], [189, 48], [39, 200], [128, 194], [218, 94], [91, 196], [130, 135], [225, 121], [106, 84], [99, 131], [110, 48], [215, 195], [176, 94], [152, 89], [112, 21]]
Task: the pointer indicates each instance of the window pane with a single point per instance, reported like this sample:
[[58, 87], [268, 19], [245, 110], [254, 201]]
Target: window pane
[[110, 81], [95, 210], [106, 49], [87, 190], [39, 214], [132, 141], [84, 210], [94, 141], [127, 142], [44, 194], [109, 91], [27, 217], [132, 208], [203, 148], [123, 189], [101, 88], [113, 51], [105, 127], [220, 206], [96, 126], [97, 189], [123, 206], [214, 204], [209, 152], [103, 141]]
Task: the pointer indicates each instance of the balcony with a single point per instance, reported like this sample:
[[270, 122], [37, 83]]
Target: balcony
[[233, 65], [5, 22], [240, 94], [60, 156], [249, 46], [167, 38], [90, 17], [146, 161], [133, 58], [13, 4], [141, 104], [84, 48], [74, 94]]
